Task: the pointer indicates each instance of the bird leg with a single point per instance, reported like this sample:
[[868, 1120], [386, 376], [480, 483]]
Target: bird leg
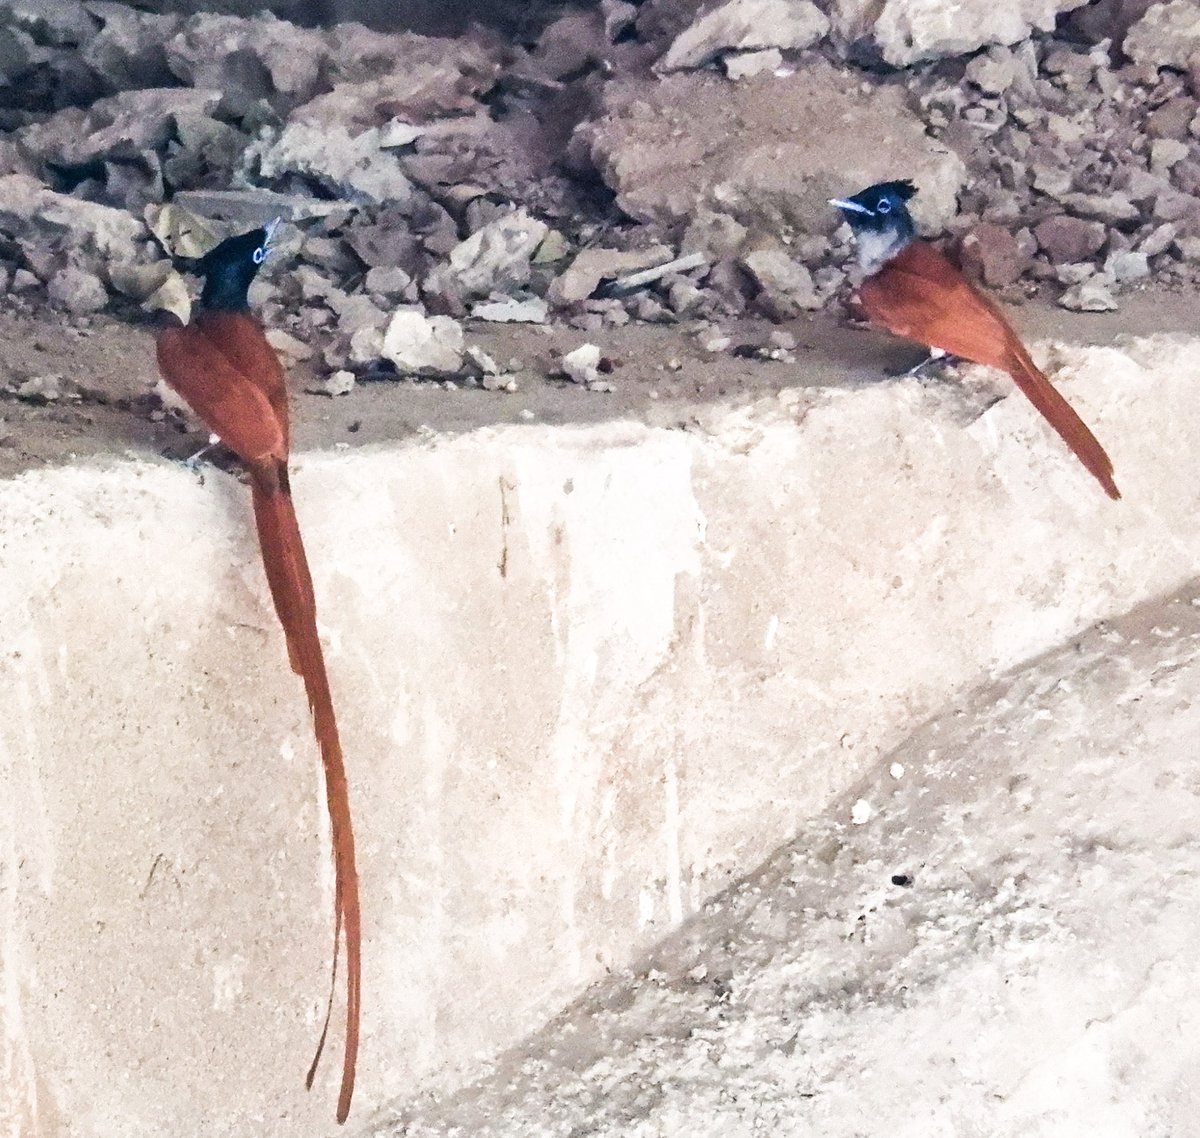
[[922, 369], [192, 462]]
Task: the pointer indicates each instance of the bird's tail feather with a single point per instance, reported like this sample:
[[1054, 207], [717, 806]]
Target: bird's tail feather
[[291, 588], [1062, 417]]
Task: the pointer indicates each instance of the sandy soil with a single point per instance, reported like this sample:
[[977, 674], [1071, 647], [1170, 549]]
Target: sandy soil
[[110, 373]]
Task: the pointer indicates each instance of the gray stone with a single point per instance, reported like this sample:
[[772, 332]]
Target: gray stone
[[746, 25], [786, 288], [1168, 35], [1127, 266], [356, 167], [30, 212], [1165, 153], [118, 127], [591, 266], [138, 280], [1112, 208], [717, 235], [995, 71], [423, 345], [1159, 239], [685, 264], [77, 290], [582, 365], [906, 31]]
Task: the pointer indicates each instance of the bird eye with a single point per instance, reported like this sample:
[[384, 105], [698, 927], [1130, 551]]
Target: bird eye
[[884, 206], [259, 255]]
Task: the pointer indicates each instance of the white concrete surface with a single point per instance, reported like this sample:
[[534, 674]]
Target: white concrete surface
[[584, 676]]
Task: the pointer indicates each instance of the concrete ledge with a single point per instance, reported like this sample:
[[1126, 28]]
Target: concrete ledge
[[584, 676]]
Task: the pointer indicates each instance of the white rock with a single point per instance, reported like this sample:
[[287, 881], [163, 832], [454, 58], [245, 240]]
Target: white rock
[[745, 64], [906, 31], [746, 25], [581, 365], [354, 166], [1168, 35], [1092, 295], [532, 311], [423, 345], [496, 257]]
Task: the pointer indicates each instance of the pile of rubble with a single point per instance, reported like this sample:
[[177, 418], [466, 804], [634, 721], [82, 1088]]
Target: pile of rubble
[[665, 162]]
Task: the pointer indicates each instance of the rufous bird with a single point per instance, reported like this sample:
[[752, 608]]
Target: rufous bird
[[225, 369], [914, 292]]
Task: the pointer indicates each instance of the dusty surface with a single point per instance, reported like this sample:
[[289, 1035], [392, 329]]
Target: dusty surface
[[586, 675], [991, 934], [108, 405]]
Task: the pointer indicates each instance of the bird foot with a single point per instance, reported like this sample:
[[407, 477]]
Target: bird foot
[[937, 358], [192, 462]]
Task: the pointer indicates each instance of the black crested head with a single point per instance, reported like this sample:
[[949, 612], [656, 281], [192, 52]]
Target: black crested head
[[880, 220], [230, 267]]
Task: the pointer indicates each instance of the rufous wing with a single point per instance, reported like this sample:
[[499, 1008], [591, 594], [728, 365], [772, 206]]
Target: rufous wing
[[236, 410], [921, 296]]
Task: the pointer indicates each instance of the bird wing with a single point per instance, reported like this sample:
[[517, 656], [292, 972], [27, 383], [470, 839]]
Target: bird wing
[[241, 340], [236, 410], [919, 295]]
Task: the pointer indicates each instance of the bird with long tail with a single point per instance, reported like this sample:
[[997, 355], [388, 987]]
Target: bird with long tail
[[225, 369], [916, 293]]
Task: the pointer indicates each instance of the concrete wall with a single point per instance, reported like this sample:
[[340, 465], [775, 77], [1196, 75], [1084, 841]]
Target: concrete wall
[[584, 675]]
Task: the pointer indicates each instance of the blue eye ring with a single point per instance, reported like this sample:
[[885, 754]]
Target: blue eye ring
[[259, 255], [884, 206]]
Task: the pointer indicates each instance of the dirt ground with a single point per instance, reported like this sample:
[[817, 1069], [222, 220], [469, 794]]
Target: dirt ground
[[661, 375]]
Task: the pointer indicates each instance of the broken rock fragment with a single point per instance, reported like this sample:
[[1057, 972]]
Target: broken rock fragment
[[591, 266], [423, 345], [495, 258], [746, 25], [695, 142], [903, 32]]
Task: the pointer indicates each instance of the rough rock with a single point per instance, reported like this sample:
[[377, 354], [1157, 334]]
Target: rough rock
[[1127, 265], [582, 364], [77, 290], [122, 126], [995, 253], [137, 280], [353, 166], [1168, 35], [509, 311], [786, 287], [903, 32], [745, 64], [746, 25], [30, 212], [495, 258], [591, 266], [1091, 295], [423, 345], [128, 50], [249, 59], [1066, 239], [696, 142]]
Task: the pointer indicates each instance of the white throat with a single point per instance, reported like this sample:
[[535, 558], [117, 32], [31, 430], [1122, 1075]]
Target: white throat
[[876, 249]]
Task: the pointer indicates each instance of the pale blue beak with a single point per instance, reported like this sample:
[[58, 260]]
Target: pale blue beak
[[849, 206]]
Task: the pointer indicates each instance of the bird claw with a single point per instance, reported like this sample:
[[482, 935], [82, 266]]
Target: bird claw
[[937, 358], [192, 462]]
